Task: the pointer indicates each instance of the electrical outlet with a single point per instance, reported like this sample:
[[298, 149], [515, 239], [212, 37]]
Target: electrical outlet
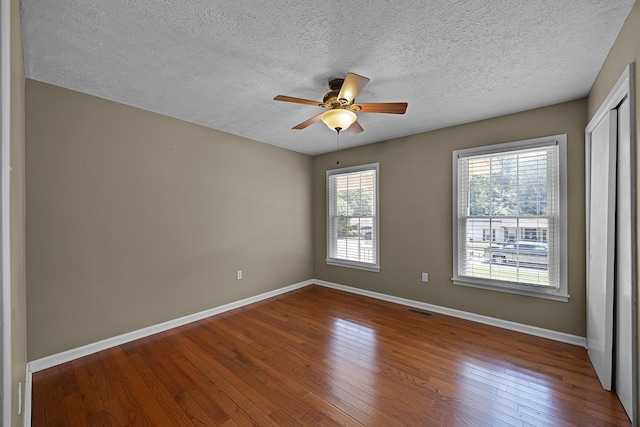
[[239, 274], [425, 277]]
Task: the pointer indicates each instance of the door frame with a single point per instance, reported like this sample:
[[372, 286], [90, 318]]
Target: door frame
[[623, 89], [5, 246]]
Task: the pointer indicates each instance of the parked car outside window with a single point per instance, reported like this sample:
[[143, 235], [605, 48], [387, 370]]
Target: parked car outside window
[[518, 252]]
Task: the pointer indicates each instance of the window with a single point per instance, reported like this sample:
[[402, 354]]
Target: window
[[352, 217], [519, 190]]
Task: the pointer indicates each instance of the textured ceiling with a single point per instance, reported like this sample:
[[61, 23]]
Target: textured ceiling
[[219, 63]]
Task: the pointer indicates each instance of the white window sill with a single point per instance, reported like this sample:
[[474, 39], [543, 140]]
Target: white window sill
[[354, 264], [532, 291]]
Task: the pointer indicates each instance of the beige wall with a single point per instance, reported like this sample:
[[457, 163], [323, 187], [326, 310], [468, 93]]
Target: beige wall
[[625, 50], [18, 281], [135, 218], [416, 217]]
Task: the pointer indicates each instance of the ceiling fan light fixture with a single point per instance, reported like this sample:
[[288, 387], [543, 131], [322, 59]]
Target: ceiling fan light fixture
[[338, 119], [341, 114]]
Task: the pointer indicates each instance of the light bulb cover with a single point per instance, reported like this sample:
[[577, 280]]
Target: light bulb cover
[[338, 118]]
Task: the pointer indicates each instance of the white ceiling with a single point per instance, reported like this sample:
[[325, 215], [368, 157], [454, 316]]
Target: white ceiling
[[219, 63]]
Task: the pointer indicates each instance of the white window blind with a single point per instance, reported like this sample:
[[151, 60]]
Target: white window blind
[[509, 217], [352, 220]]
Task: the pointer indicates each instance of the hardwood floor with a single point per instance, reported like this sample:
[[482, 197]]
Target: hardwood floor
[[317, 356]]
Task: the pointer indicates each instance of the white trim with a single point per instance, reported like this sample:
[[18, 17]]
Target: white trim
[[375, 267], [352, 264], [512, 288], [28, 381], [75, 353], [618, 93], [486, 320], [5, 224]]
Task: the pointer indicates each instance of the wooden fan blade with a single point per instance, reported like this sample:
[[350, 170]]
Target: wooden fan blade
[[306, 123], [352, 86], [383, 107], [298, 100], [355, 127]]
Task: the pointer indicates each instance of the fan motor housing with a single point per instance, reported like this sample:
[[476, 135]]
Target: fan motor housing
[[336, 84], [331, 98]]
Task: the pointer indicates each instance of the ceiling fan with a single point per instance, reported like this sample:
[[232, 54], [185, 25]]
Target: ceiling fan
[[342, 109]]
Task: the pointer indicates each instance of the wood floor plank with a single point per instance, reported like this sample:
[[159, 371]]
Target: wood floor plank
[[318, 356], [38, 412], [91, 401], [114, 412], [316, 378], [317, 384], [76, 415], [122, 387], [173, 367], [360, 375], [55, 414], [261, 410], [174, 408]]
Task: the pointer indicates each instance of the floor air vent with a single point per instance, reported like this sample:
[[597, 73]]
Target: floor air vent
[[422, 313]]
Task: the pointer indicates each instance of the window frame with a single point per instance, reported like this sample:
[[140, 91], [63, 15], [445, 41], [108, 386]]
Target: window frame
[[375, 266], [561, 292]]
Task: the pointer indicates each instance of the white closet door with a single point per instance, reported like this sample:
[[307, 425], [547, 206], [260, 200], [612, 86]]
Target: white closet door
[[601, 246], [624, 265]]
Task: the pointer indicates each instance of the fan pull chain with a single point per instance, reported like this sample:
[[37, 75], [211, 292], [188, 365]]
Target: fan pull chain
[[337, 145]]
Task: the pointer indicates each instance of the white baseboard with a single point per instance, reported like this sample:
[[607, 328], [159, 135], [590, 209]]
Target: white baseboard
[[505, 324], [66, 356], [69, 355], [75, 353]]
